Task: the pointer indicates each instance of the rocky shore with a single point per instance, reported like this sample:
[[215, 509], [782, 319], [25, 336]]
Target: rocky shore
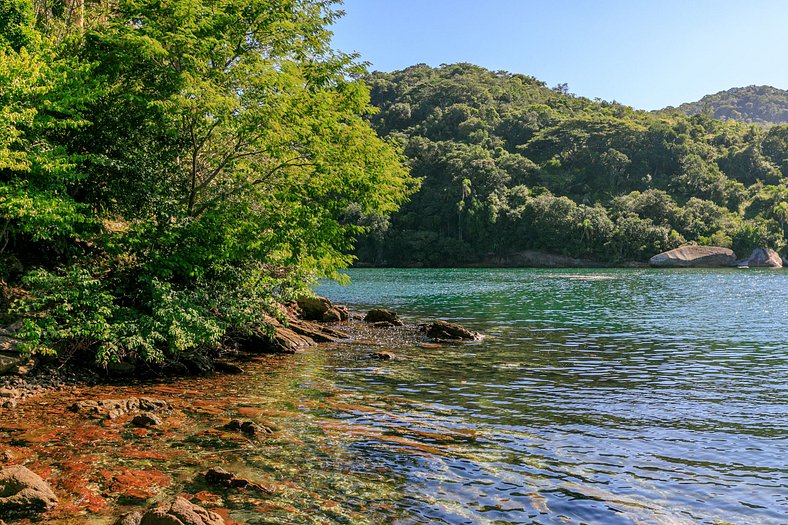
[[31, 491]]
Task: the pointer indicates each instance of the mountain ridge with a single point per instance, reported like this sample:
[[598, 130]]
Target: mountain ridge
[[763, 105]]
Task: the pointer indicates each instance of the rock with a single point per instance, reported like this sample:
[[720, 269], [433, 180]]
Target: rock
[[695, 257], [384, 324], [225, 367], [132, 518], [336, 314], [313, 308], [23, 491], [145, 420], [249, 428], [287, 339], [452, 331], [114, 408], [383, 356], [9, 393], [219, 476], [316, 332], [8, 397], [9, 361], [763, 258], [9, 344], [377, 315], [181, 512]]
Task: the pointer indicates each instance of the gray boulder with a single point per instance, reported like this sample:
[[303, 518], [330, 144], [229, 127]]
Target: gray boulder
[[24, 492], [763, 258], [695, 257]]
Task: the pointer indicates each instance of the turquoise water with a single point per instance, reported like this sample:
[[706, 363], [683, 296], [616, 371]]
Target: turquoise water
[[599, 396]]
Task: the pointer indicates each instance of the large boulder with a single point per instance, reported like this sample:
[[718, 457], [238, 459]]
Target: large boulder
[[763, 258], [444, 330], [695, 257], [24, 492], [381, 315], [180, 512], [321, 309], [313, 308], [287, 339]]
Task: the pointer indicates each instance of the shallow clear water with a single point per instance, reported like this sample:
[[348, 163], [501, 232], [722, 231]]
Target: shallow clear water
[[598, 397], [601, 396]]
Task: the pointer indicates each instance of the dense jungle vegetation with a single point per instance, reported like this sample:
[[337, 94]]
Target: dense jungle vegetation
[[171, 171], [764, 105], [508, 164]]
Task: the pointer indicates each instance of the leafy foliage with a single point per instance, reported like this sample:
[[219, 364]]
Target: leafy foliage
[[171, 171]]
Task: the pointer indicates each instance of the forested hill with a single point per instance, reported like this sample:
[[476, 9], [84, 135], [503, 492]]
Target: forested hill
[[764, 105], [508, 164]]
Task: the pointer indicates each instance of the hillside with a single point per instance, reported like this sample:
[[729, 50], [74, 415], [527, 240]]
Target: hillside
[[508, 165], [763, 105]]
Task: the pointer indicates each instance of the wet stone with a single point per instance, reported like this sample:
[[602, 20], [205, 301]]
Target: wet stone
[[384, 324], [378, 315], [444, 330], [114, 408], [383, 356], [219, 476], [24, 492], [249, 428], [146, 420], [180, 512]]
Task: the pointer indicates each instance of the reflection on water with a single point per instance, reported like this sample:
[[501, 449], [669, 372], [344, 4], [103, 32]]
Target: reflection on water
[[605, 397]]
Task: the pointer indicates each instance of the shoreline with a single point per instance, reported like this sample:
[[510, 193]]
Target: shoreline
[[137, 416]]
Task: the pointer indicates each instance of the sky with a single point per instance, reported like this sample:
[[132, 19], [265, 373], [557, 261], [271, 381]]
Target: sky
[[646, 54]]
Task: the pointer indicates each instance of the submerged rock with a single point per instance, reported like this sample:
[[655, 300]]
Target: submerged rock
[[383, 356], [763, 258], [179, 512], [223, 478], [382, 315], [695, 257], [249, 428], [24, 492], [114, 408], [444, 330]]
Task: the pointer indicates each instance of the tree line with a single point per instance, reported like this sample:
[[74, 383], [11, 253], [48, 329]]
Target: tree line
[[508, 164]]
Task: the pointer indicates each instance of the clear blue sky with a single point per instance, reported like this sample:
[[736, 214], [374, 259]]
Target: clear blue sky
[[647, 54]]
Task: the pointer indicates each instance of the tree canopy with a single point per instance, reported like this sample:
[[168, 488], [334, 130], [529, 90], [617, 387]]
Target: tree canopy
[[170, 171], [762, 105], [508, 164]]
